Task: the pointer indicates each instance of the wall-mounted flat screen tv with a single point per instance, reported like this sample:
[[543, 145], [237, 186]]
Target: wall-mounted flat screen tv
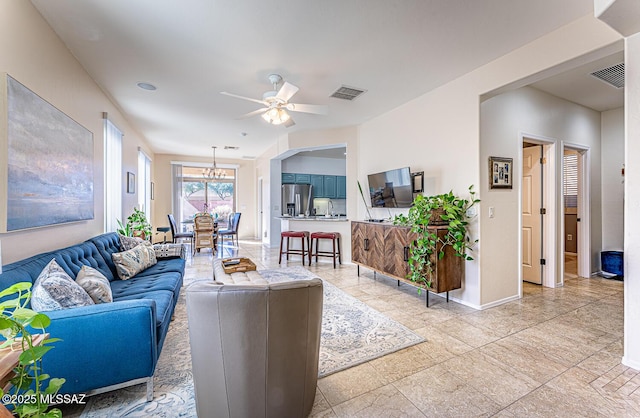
[[391, 189]]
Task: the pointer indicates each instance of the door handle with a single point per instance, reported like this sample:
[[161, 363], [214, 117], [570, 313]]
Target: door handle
[[366, 244], [406, 253]]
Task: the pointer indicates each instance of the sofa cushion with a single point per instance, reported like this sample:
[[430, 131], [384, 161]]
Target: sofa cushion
[[95, 284], [175, 265], [139, 285], [244, 277], [164, 304], [107, 244], [131, 262], [73, 258], [55, 290]]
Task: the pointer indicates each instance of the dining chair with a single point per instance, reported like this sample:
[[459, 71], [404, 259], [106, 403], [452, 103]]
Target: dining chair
[[232, 228], [179, 235], [204, 229]]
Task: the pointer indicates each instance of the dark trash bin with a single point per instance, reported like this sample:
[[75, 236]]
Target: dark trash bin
[[612, 262]]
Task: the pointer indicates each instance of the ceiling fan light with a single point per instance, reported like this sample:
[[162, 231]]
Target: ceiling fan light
[[276, 116]]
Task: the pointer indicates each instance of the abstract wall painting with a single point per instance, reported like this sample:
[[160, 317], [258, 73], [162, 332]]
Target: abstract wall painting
[[49, 162]]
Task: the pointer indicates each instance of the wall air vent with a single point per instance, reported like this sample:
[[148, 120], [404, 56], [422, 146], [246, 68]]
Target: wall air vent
[[347, 93], [231, 147], [613, 75]]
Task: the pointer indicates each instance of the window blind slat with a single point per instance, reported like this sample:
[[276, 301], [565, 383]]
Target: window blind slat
[[570, 181]]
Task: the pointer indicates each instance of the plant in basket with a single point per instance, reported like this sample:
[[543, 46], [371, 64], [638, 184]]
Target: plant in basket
[[443, 209]]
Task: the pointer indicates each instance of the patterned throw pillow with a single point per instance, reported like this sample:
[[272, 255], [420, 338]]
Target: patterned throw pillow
[[54, 290], [131, 262], [128, 243], [169, 250], [95, 284]]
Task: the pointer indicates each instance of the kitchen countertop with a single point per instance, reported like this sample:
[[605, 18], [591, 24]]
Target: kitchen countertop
[[315, 218]]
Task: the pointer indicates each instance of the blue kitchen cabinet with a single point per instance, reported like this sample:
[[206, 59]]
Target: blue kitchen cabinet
[[288, 178], [330, 187], [341, 187], [317, 182], [303, 178]]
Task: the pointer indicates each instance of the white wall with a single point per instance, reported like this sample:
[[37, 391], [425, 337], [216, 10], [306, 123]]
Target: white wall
[[314, 165], [439, 133], [32, 53], [612, 180], [504, 119], [632, 205]]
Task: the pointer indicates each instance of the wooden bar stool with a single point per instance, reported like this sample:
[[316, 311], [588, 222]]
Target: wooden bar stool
[[335, 238], [304, 237]]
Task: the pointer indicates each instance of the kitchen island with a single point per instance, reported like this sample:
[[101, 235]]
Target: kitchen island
[[322, 224]]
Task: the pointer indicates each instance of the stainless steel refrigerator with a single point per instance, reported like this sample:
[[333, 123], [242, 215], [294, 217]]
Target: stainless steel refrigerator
[[296, 199]]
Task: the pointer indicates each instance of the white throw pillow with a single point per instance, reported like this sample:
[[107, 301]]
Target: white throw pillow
[[54, 290], [95, 284]]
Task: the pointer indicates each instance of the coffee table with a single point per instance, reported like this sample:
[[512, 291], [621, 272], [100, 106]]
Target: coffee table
[[237, 264]]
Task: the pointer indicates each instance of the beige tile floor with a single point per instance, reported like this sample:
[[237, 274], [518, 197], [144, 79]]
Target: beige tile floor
[[555, 352]]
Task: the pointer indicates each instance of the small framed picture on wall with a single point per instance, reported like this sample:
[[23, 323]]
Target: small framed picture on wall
[[131, 182], [500, 173]]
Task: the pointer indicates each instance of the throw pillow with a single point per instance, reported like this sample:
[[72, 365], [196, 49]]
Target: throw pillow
[[169, 250], [54, 290], [95, 284], [131, 262], [127, 243]]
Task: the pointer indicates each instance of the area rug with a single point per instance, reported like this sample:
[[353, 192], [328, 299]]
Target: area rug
[[352, 333]]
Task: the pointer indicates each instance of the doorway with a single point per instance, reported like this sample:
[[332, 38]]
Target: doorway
[[570, 199], [576, 201], [532, 213], [259, 227]]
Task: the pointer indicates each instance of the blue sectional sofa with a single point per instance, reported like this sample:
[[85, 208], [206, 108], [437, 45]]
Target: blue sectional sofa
[[111, 345]]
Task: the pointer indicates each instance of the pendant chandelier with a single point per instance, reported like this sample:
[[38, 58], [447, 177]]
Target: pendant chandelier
[[213, 172]]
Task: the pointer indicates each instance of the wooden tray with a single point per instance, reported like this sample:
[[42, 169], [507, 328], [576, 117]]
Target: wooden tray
[[245, 264]]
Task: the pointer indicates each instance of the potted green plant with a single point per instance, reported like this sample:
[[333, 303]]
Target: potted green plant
[[443, 209], [28, 397], [137, 225]]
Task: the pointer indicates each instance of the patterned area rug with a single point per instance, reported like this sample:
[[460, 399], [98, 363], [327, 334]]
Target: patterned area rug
[[352, 333]]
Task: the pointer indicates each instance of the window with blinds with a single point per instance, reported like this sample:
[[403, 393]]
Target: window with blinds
[[112, 175], [570, 186]]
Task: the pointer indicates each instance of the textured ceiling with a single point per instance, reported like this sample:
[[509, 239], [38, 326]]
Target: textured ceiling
[[192, 50]]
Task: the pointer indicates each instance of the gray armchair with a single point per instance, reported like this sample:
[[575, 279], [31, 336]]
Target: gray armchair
[[254, 348]]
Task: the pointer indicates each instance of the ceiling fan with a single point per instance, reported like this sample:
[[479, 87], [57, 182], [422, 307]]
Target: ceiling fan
[[276, 103]]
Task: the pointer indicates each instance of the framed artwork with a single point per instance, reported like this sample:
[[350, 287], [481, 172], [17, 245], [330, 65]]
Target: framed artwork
[[500, 173], [131, 182], [48, 164]]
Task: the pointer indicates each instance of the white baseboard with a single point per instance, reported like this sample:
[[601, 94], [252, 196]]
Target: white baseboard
[[631, 363]]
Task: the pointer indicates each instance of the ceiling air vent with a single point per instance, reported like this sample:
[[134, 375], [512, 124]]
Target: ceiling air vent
[[347, 93], [613, 75], [231, 147]]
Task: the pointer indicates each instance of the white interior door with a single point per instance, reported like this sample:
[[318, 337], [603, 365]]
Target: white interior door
[[260, 210], [531, 218]]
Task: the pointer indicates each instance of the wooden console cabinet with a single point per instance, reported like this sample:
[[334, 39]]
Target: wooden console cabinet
[[384, 248]]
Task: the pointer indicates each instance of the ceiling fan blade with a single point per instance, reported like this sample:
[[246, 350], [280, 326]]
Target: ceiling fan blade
[[286, 91], [262, 102], [308, 108], [254, 113], [289, 123]]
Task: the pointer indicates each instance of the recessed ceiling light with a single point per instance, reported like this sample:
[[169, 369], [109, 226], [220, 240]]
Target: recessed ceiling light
[[243, 134], [146, 86]]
